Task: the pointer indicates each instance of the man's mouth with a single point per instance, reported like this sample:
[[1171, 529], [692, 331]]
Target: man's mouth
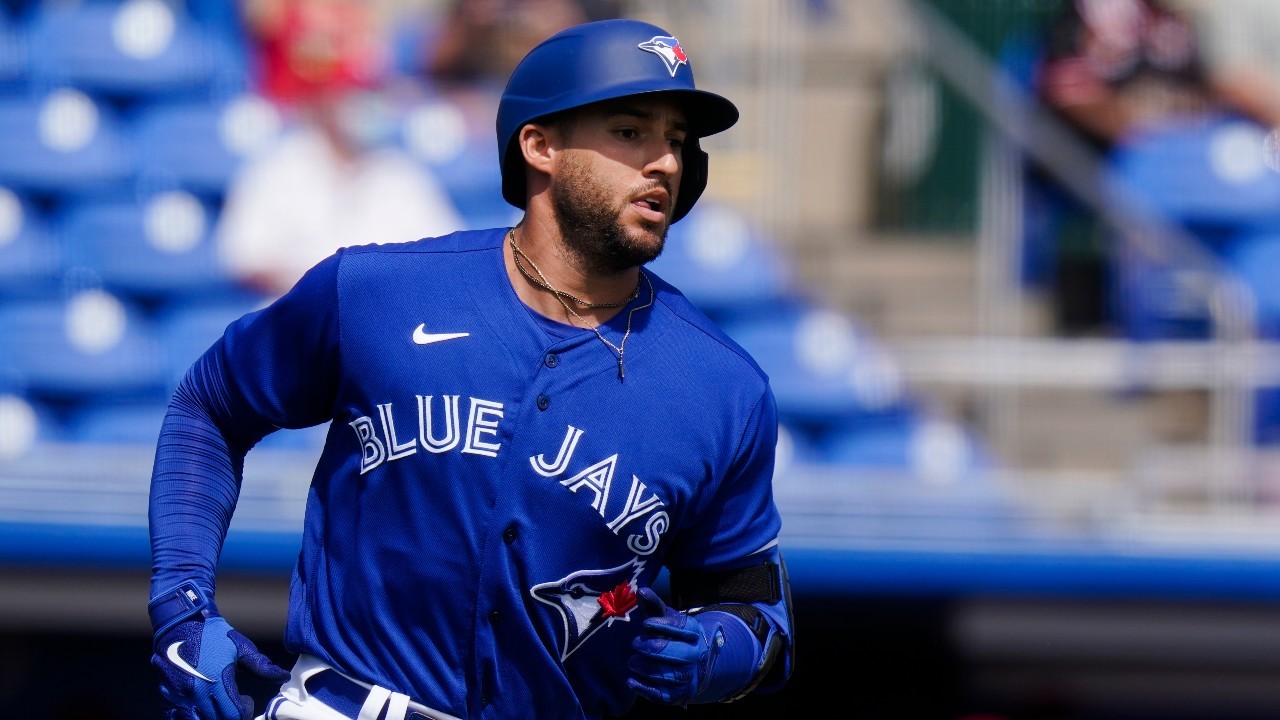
[[652, 206]]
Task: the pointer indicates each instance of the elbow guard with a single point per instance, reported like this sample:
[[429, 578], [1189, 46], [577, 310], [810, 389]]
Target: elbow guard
[[741, 592]]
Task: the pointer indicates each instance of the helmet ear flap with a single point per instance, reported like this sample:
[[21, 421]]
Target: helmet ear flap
[[693, 178]]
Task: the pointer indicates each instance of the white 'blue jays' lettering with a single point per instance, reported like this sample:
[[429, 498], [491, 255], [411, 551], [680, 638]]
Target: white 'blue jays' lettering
[[482, 426], [597, 478], [545, 469], [384, 442]]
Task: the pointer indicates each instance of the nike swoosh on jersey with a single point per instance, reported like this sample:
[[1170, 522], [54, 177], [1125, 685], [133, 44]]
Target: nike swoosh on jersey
[[176, 659], [422, 337]]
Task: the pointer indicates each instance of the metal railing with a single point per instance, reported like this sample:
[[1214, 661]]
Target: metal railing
[[1230, 365]]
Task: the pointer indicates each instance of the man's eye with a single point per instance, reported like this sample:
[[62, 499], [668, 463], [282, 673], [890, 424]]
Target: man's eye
[[628, 133]]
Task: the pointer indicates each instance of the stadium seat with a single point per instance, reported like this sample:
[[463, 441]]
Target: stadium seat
[[796, 451], [89, 344], [29, 260], [869, 442], [1211, 175], [1156, 299], [1255, 259], [117, 423], [138, 423], [130, 49], [724, 263], [451, 141], [13, 55], [1208, 177], [187, 329], [198, 145], [63, 143], [925, 448], [25, 424], [153, 250], [308, 440], [824, 368]]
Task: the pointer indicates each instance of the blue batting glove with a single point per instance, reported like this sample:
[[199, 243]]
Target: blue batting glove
[[197, 659], [673, 657]]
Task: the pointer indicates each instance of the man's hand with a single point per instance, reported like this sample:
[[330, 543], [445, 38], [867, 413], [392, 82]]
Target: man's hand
[[673, 657], [197, 660]]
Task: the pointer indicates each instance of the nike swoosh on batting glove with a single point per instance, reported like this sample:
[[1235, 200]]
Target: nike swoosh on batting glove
[[673, 655], [197, 659]]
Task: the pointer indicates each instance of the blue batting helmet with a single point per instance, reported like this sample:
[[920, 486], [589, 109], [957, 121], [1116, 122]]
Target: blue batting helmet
[[604, 60]]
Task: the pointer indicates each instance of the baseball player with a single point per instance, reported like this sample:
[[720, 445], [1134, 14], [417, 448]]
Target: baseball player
[[525, 427]]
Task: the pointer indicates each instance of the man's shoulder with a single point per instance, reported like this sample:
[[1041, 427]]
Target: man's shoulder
[[462, 241], [444, 259], [698, 327]]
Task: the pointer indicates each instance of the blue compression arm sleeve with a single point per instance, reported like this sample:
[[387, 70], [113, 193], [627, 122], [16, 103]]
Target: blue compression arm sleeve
[[195, 482], [271, 369]]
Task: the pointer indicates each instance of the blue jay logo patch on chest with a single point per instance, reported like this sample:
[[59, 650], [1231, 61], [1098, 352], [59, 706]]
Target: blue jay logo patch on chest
[[591, 599]]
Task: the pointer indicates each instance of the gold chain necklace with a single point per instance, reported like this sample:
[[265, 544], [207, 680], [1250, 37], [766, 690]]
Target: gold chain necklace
[[541, 281]]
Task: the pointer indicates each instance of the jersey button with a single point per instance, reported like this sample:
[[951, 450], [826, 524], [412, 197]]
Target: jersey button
[[544, 402], [509, 535], [551, 360], [495, 617]]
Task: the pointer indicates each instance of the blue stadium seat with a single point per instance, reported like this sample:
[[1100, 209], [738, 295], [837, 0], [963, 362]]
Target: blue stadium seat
[[452, 141], [13, 55], [199, 145], [138, 423], [1210, 175], [823, 367], [25, 424], [130, 49], [723, 262], [153, 250], [117, 423], [309, 440], [89, 344], [869, 443], [61, 143], [1255, 259], [1156, 299], [29, 259], [187, 329], [925, 448], [796, 450]]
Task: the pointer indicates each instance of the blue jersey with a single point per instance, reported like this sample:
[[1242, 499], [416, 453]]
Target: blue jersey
[[491, 493]]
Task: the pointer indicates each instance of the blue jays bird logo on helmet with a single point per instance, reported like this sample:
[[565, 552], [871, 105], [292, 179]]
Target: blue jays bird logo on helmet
[[591, 599], [667, 48]]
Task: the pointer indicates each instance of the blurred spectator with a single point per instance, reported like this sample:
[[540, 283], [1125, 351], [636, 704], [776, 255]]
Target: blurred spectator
[[1240, 44], [1108, 68], [337, 175], [480, 41], [304, 50], [1113, 65]]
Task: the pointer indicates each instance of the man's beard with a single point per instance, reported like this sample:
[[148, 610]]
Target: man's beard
[[592, 230]]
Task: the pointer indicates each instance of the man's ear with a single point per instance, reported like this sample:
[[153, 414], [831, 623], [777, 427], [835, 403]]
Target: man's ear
[[539, 143]]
